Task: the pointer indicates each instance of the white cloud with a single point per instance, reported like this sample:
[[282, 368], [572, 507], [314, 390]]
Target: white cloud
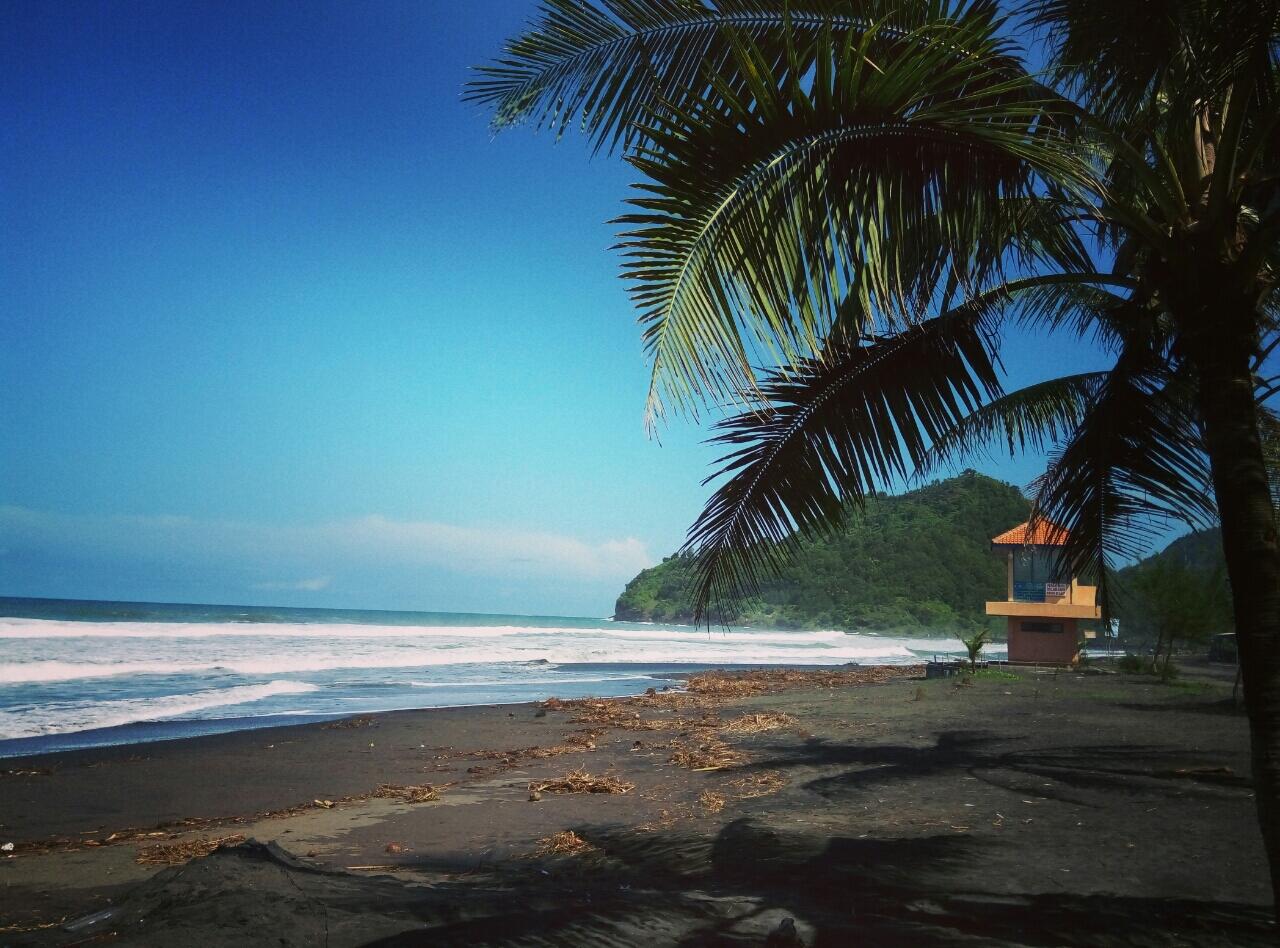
[[301, 585], [322, 550]]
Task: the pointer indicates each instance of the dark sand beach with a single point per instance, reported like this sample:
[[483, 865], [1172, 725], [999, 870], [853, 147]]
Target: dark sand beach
[[875, 808]]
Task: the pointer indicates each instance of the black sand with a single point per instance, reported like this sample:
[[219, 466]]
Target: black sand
[[1055, 809]]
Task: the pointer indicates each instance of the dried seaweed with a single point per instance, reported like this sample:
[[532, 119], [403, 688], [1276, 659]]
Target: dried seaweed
[[711, 801], [741, 684], [579, 781], [424, 793], [585, 739], [761, 783], [173, 854], [350, 723], [712, 754], [19, 927], [759, 722], [564, 843]]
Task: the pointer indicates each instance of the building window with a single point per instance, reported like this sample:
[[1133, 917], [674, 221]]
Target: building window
[[1039, 574], [1042, 627]]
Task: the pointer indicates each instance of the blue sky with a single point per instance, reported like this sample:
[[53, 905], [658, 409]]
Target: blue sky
[[283, 322]]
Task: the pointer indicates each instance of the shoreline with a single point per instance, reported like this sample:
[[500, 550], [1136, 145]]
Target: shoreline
[[143, 732], [1046, 797]]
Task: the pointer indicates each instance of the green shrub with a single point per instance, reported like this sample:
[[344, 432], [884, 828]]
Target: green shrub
[[995, 674], [973, 645], [1132, 664]]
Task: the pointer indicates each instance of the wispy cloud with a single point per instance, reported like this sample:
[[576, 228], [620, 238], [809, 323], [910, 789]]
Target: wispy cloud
[[298, 585], [320, 550]]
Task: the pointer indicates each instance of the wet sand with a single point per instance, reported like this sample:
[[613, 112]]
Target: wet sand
[[1047, 809]]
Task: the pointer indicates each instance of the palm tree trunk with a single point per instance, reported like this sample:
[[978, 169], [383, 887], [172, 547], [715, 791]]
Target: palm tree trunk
[[1252, 552]]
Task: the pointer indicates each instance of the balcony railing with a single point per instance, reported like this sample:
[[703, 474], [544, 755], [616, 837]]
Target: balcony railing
[[1041, 592]]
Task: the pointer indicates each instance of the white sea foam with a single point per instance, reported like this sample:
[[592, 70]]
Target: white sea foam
[[42, 651], [57, 629], [255, 662], [61, 717], [63, 676]]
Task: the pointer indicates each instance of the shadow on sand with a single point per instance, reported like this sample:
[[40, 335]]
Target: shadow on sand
[[687, 885]]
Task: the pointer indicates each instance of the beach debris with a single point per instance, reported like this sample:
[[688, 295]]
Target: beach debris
[[424, 793], [710, 754], [349, 723], [585, 738], [27, 772], [535, 796], [579, 781], [1194, 772], [711, 801], [173, 854], [761, 783], [744, 683], [395, 849], [758, 722], [379, 868], [19, 927], [564, 843], [323, 804], [7, 847]]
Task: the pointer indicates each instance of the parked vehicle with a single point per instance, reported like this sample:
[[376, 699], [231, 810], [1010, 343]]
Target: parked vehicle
[[1222, 648]]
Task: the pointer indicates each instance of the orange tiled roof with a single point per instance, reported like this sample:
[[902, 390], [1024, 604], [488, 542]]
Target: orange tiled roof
[[1045, 534]]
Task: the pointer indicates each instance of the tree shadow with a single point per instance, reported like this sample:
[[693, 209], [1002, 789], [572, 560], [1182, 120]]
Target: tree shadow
[[1224, 707], [1073, 771], [676, 887], [650, 889]]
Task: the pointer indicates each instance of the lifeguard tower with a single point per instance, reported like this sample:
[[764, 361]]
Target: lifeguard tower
[[1044, 605]]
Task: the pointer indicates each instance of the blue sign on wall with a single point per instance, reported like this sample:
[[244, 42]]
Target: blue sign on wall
[[1028, 592]]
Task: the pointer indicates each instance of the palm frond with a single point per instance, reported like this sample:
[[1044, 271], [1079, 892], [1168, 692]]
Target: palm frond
[[763, 214], [1135, 461], [855, 419], [1121, 56], [608, 64], [1034, 418], [1269, 432], [1087, 308]]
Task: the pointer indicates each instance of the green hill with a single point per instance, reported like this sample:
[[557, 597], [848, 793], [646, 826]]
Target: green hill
[[1182, 590], [915, 562], [1200, 551]]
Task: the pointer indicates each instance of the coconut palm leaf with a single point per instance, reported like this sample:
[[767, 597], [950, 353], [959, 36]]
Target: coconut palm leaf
[[763, 214], [1119, 57], [1269, 432], [1136, 459], [1034, 418], [609, 64], [834, 428]]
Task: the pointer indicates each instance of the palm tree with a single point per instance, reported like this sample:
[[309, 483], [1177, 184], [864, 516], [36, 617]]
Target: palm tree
[[843, 204]]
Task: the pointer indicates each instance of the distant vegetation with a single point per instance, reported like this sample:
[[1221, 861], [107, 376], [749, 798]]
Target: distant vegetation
[[1175, 599], [914, 563]]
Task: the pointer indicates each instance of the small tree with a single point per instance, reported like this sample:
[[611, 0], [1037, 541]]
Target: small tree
[[973, 645], [1176, 604]]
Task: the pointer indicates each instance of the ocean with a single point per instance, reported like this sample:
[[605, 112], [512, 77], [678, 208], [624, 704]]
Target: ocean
[[77, 673]]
